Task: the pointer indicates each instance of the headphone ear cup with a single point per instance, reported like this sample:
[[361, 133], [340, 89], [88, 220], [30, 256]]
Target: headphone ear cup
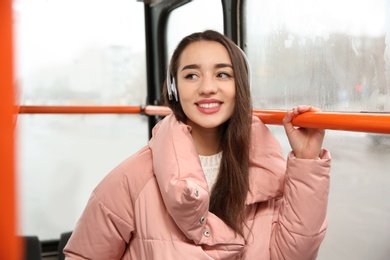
[[173, 88], [171, 85]]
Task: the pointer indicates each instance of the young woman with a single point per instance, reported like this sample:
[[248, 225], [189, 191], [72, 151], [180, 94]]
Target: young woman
[[212, 183]]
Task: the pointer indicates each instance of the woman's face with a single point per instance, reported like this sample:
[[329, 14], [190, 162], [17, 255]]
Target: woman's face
[[205, 80]]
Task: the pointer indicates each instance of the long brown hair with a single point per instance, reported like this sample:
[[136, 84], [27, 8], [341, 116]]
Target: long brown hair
[[228, 196]]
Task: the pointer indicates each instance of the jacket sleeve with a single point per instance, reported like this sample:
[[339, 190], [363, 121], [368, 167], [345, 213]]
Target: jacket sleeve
[[300, 225], [104, 228]]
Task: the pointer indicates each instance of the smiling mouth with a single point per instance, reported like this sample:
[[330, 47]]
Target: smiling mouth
[[209, 105]]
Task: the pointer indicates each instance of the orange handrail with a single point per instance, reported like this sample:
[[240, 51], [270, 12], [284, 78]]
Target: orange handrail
[[80, 109], [360, 122], [10, 244]]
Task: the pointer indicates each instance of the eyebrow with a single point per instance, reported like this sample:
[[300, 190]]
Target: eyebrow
[[195, 66]]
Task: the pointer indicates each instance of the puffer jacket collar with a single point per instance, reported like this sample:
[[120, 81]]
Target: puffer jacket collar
[[184, 188]]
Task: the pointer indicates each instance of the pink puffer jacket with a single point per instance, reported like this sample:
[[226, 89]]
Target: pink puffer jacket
[[154, 205]]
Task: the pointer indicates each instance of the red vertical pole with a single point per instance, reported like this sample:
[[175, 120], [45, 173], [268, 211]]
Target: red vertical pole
[[10, 247]]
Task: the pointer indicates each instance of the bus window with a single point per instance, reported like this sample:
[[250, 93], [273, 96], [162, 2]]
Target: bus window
[[330, 54], [334, 55], [84, 52]]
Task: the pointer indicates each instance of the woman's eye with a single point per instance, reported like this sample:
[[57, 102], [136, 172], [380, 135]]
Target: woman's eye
[[223, 75], [190, 76]]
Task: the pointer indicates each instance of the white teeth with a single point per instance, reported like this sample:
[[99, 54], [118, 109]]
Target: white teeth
[[209, 105]]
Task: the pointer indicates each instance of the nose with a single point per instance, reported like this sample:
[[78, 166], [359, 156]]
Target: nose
[[208, 86]]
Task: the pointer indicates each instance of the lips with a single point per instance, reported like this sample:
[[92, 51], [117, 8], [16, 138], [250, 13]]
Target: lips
[[209, 106]]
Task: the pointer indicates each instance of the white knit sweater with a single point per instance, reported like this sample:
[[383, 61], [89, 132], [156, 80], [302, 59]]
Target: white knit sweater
[[210, 165]]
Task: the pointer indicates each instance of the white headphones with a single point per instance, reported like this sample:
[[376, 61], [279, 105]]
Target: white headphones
[[171, 84]]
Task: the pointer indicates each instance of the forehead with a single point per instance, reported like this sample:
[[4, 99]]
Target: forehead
[[204, 52]]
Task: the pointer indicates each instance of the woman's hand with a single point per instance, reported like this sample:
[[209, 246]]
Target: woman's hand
[[306, 143]]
